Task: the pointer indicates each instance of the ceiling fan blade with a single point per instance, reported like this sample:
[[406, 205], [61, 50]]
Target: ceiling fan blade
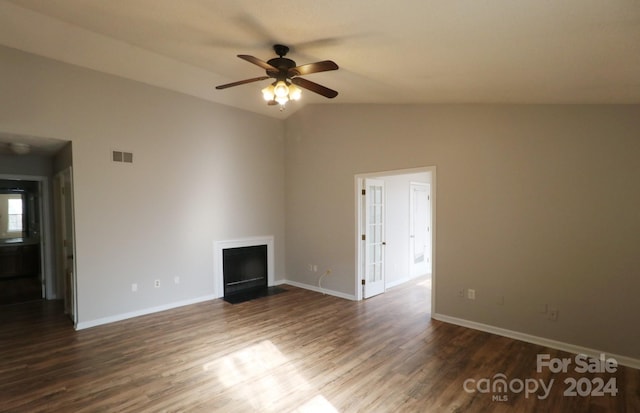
[[258, 62], [314, 87], [242, 82], [307, 69]]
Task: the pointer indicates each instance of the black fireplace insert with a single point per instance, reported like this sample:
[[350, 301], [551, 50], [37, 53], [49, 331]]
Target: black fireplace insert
[[245, 274]]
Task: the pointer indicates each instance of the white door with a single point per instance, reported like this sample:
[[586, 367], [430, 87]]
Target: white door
[[63, 198], [373, 237], [420, 229]]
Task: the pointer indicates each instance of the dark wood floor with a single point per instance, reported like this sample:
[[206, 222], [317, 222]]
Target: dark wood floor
[[298, 351]]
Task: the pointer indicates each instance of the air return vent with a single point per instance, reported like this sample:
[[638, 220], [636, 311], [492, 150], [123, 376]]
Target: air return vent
[[119, 156]]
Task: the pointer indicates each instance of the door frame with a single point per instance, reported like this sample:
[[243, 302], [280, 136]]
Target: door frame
[[64, 213], [46, 254], [412, 218], [359, 186]]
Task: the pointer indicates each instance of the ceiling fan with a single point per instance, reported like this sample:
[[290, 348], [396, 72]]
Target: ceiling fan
[[286, 75]]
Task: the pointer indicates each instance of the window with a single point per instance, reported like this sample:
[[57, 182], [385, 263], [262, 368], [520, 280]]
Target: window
[[14, 215]]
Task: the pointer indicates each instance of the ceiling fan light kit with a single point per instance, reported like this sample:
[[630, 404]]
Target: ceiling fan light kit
[[281, 92], [287, 83]]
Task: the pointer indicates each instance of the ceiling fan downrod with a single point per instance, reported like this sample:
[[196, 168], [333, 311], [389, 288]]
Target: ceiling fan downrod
[[281, 50]]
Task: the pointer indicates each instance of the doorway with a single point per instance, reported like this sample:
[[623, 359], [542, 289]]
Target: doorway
[[395, 231], [25, 262], [419, 229]]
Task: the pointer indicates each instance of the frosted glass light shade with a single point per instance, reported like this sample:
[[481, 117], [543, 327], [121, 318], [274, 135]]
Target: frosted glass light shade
[[281, 89], [268, 93]]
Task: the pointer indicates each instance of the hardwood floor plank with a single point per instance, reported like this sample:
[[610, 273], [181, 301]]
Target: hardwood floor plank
[[289, 352]]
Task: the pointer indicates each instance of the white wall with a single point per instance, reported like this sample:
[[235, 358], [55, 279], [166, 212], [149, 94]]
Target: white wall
[[536, 204], [202, 172]]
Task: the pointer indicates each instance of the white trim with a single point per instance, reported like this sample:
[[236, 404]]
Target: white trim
[[218, 246], [359, 183], [119, 317], [397, 282], [46, 243], [320, 290], [546, 342]]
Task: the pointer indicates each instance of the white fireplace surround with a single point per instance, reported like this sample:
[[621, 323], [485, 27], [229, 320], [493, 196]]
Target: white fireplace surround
[[218, 246]]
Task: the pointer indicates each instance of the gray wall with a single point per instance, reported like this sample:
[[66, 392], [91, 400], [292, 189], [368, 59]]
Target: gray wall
[[31, 165], [202, 172], [536, 204]]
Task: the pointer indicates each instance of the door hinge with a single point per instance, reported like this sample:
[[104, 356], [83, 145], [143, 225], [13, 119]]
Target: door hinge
[[363, 282], [364, 237], [364, 192]]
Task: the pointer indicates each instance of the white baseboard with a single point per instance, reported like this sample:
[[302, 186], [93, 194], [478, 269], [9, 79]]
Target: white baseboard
[[320, 290], [559, 345], [119, 317], [396, 282], [404, 280]]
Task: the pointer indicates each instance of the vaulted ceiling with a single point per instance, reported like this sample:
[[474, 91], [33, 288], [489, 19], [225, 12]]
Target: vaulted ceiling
[[431, 51]]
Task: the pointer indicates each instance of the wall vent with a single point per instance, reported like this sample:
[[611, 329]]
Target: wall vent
[[119, 156]]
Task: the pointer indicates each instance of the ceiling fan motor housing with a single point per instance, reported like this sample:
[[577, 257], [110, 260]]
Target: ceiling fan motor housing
[[281, 63]]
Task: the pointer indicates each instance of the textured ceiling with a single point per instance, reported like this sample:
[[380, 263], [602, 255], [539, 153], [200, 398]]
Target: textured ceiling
[[463, 51]]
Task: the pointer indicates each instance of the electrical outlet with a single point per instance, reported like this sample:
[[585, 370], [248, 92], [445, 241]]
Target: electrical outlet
[[315, 268], [176, 280], [134, 287], [471, 294], [553, 314], [156, 283]]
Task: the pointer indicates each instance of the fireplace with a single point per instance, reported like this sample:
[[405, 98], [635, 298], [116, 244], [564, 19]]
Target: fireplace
[[244, 270]]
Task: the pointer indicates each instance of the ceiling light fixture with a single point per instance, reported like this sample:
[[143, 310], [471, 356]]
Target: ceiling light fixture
[[281, 91], [287, 77]]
